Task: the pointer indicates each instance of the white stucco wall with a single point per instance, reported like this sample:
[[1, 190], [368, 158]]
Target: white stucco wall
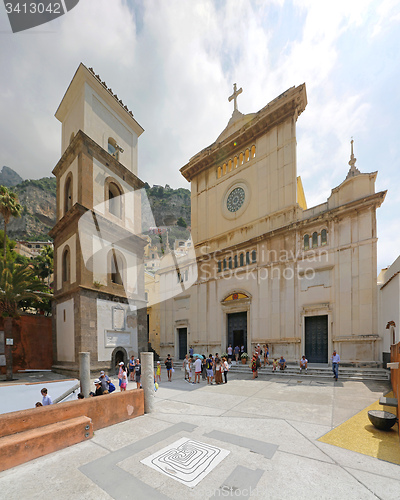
[[65, 331], [71, 242], [108, 338]]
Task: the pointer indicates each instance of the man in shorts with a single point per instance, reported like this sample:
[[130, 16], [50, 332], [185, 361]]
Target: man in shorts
[[209, 369], [197, 370], [303, 363], [138, 373], [169, 364], [282, 363]]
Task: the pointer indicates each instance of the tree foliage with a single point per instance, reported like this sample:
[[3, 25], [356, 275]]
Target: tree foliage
[[9, 207], [19, 284]]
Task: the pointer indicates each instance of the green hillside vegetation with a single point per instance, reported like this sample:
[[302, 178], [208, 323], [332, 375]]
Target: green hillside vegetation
[[46, 184]]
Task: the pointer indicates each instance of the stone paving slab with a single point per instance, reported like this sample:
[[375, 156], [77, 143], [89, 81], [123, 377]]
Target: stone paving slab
[[108, 466]]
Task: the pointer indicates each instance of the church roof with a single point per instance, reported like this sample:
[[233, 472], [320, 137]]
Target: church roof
[[242, 128]]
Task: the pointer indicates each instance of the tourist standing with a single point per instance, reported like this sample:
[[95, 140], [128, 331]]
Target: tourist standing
[[237, 353], [169, 364], [335, 365], [229, 353], [266, 354], [226, 369], [124, 379], [185, 366], [158, 372], [197, 370], [138, 373], [131, 367], [120, 372], [254, 366], [209, 369]]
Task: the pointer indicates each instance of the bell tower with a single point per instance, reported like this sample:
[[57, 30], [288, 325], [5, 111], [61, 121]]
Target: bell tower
[[99, 304]]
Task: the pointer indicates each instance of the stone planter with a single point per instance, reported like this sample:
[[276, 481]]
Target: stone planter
[[382, 420], [244, 361]]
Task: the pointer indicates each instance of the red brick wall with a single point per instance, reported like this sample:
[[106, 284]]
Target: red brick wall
[[33, 347]]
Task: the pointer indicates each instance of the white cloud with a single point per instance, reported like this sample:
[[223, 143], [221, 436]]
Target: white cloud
[[175, 69]]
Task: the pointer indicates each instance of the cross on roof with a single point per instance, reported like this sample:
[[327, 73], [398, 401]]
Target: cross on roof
[[234, 96]]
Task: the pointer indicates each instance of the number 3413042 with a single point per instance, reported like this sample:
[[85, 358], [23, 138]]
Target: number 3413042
[[34, 8]]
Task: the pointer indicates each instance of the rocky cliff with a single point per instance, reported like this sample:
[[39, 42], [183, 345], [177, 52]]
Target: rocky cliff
[[8, 177], [163, 207], [38, 199]]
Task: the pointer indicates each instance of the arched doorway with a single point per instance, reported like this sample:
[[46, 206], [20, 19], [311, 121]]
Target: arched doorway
[[119, 354]]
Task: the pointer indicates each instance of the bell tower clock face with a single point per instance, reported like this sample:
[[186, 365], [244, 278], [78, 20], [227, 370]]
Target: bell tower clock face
[[235, 199]]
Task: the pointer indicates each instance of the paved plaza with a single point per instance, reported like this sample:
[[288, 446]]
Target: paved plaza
[[267, 431]]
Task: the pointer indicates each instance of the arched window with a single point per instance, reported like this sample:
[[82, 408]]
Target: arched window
[[229, 165], [236, 261], [254, 256], [219, 266], [235, 162], [247, 155], [224, 264], [114, 200], [219, 173], [241, 159], [247, 258], [66, 265], [241, 258], [306, 242], [224, 169], [117, 268], [113, 148], [253, 152], [230, 262], [68, 194], [323, 237], [315, 240]]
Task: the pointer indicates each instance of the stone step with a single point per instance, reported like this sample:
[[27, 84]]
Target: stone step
[[378, 374], [19, 448]]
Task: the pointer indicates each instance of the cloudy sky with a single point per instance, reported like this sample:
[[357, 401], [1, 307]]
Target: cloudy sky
[[173, 62]]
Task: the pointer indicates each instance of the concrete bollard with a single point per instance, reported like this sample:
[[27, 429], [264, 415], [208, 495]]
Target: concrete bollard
[[147, 362], [84, 372]]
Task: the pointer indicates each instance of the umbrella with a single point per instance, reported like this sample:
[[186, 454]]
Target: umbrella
[[198, 355]]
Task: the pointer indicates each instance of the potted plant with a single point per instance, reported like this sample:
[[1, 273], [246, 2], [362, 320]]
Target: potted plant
[[244, 357]]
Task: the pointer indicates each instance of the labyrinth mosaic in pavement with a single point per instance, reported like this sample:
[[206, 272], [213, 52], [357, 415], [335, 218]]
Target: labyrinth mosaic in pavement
[[186, 460]]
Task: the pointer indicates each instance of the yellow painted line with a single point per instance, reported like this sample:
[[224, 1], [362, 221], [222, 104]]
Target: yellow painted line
[[358, 434]]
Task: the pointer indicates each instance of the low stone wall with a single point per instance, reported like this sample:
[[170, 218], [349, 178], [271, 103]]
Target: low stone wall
[[104, 410]]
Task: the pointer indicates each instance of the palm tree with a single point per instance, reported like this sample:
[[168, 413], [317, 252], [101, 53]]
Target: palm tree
[[17, 283], [44, 263], [9, 207]]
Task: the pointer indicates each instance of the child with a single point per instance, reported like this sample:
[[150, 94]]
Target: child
[[274, 365], [124, 380], [158, 371]]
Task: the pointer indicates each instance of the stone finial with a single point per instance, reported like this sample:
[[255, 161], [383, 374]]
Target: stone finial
[[353, 169]]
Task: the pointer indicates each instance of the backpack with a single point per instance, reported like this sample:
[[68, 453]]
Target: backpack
[[111, 387], [208, 364]]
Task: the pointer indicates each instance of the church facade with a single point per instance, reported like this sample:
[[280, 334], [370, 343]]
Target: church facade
[[99, 302], [269, 269]]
